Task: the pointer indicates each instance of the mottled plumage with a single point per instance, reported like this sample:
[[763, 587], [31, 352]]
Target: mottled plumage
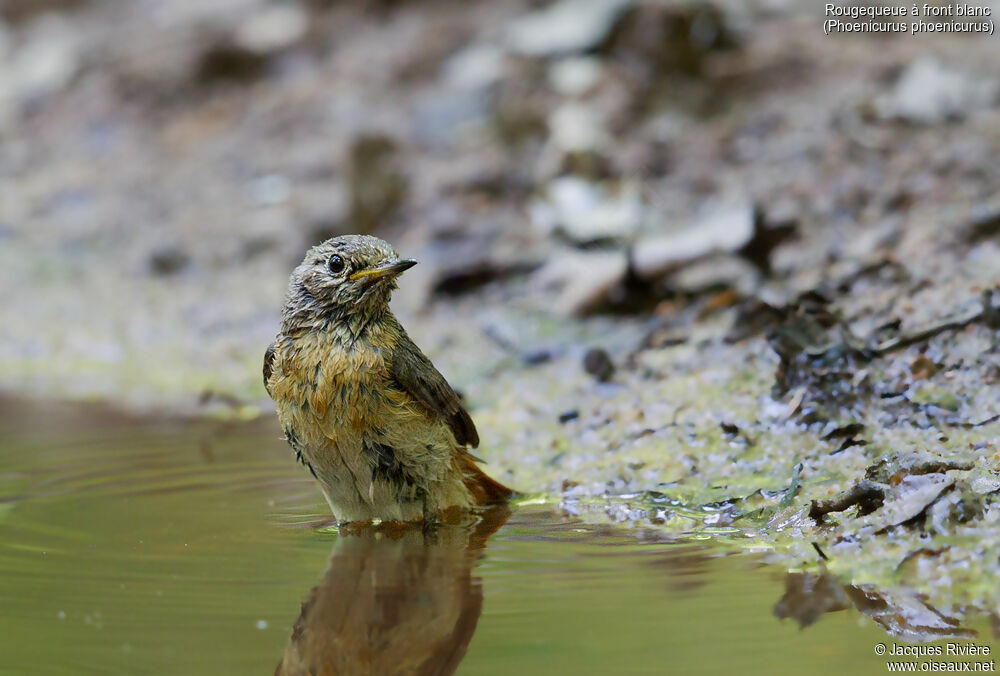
[[360, 404]]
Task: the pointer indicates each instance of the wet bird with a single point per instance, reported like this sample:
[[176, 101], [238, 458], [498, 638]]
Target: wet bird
[[379, 427]]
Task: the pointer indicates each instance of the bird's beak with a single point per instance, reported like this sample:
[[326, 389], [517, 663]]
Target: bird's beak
[[385, 270]]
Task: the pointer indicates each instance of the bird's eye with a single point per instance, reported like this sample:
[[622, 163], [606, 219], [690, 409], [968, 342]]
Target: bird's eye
[[336, 264]]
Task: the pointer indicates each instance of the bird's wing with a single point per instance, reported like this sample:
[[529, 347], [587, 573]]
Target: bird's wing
[[268, 365], [417, 375]]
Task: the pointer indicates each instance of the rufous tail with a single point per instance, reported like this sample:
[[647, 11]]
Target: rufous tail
[[485, 490]]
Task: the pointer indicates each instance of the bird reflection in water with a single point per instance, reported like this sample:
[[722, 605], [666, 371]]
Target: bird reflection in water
[[395, 599]]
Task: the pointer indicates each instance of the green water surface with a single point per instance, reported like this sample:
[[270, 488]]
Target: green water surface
[[141, 547]]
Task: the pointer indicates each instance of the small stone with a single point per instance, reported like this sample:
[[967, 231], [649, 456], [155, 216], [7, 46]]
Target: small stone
[[908, 499], [597, 362], [584, 280], [575, 76], [168, 260], [584, 212], [985, 483], [273, 29], [929, 92], [723, 229], [45, 62], [475, 67], [536, 357], [732, 272], [577, 128], [567, 416], [565, 27]]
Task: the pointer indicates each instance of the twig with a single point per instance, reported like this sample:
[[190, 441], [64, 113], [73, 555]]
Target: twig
[[862, 492], [926, 333]]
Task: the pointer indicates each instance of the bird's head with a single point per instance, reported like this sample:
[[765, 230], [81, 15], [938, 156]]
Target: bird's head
[[347, 277]]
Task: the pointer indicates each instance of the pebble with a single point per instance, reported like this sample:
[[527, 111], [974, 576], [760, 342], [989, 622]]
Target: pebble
[[574, 76], [272, 29], [567, 416], [928, 92], [584, 212], [168, 260], [597, 362], [726, 228], [565, 27]]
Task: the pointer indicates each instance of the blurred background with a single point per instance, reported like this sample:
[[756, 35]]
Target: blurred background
[[695, 267], [164, 165]]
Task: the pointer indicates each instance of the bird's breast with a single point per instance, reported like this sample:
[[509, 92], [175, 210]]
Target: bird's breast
[[323, 382]]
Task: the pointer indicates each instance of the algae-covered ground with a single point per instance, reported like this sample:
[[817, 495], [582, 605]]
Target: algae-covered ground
[[693, 265]]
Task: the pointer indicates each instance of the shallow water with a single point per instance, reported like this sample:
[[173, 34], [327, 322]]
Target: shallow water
[[143, 547]]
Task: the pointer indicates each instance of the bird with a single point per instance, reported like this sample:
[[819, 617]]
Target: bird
[[365, 410]]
